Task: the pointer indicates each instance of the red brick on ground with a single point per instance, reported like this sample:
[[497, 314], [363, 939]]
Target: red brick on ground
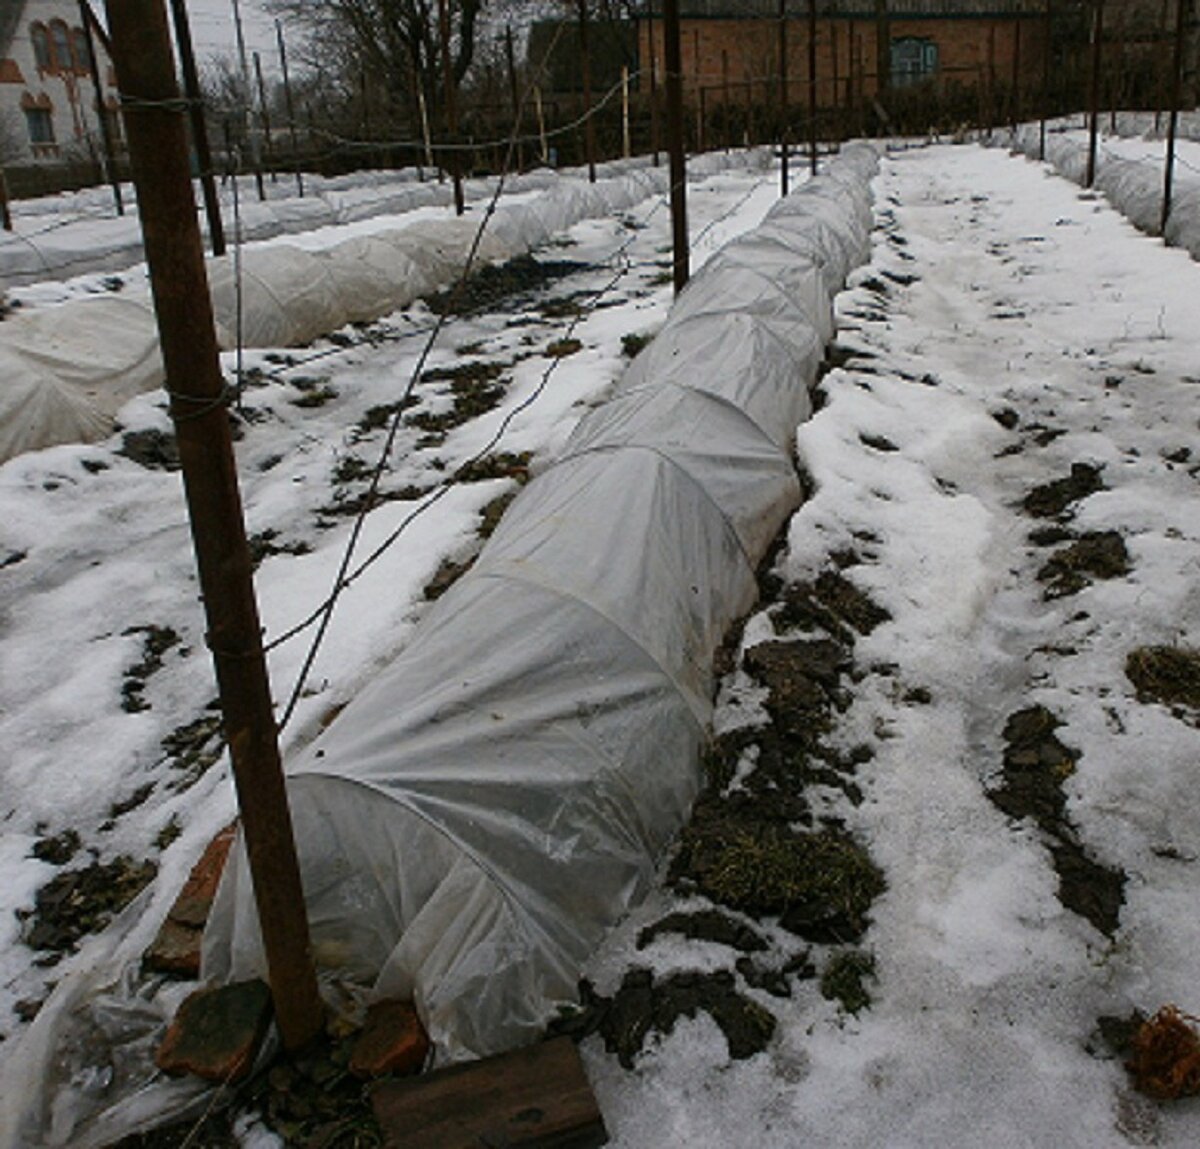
[[393, 1040], [217, 1032], [176, 949]]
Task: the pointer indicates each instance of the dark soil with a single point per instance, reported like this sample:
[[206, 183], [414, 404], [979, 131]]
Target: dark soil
[[475, 392], [79, 902], [1098, 554], [844, 979], [193, 749], [448, 573], [157, 641], [59, 850], [493, 512], [156, 450], [502, 465], [1036, 764], [381, 416], [642, 1006], [1055, 498], [502, 283], [706, 926], [1166, 674], [266, 543]]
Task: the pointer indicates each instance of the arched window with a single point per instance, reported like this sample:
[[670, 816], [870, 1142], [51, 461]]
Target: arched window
[[60, 38], [41, 47], [79, 49]]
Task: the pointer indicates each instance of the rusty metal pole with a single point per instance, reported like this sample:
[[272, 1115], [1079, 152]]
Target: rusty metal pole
[[783, 99], [1094, 93], [191, 86], [678, 164], [1181, 12], [87, 19], [158, 151], [291, 110], [1047, 61], [455, 164], [812, 86], [585, 62]]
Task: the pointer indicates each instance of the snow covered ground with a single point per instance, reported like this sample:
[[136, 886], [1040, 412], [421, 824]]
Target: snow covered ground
[[1009, 329]]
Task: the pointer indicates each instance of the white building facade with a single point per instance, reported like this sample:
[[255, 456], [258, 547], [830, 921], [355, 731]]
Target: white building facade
[[48, 105]]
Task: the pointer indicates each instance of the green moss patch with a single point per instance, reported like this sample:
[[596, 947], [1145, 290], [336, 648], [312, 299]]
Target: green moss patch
[[845, 978]]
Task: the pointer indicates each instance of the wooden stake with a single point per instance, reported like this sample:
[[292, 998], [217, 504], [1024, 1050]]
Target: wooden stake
[[812, 86], [1047, 61], [726, 101], [87, 19], [678, 165], [783, 99], [585, 61], [6, 220], [1015, 94], [514, 96], [626, 144], [158, 152], [1094, 93], [653, 93], [455, 164], [1182, 8], [291, 111]]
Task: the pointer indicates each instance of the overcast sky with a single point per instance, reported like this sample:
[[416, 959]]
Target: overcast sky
[[213, 30]]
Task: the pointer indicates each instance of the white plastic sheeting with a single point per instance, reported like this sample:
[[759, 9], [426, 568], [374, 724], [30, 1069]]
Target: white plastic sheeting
[[97, 359], [1133, 187], [477, 819]]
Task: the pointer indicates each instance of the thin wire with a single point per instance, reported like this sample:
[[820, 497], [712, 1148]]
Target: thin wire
[[339, 585]]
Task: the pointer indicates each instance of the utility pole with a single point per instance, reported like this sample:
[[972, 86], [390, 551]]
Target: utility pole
[[199, 129], [291, 110], [455, 164], [1094, 92], [87, 19], [158, 153], [585, 60], [783, 99], [812, 86], [677, 163], [1182, 8]]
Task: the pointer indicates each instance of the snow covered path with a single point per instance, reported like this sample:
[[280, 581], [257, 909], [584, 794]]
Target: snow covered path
[[1011, 333]]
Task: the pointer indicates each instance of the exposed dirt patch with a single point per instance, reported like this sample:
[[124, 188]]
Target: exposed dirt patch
[[475, 391], [1055, 498], [706, 926], [156, 450], [447, 574], [501, 283], [561, 348], [193, 749], [1166, 674], [1096, 554], [1036, 764], [502, 465], [634, 342], [643, 1005], [266, 543], [79, 902], [381, 415], [58, 850], [157, 641]]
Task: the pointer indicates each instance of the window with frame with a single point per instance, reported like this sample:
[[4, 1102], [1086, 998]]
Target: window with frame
[[40, 123], [60, 39], [41, 47], [79, 49], [913, 59]]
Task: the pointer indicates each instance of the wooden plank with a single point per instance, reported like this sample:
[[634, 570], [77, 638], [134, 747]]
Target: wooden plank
[[537, 1098]]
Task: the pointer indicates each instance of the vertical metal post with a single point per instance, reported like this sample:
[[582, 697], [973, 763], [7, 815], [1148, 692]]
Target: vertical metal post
[[585, 60], [626, 145], [198, 126], [1047, 61], [251, 135], [6, 220], [541, 120], [1015, 94], [1181, 12], [1159, 96], [678, 166], [812, 86], [455, 164], [1094, 92], [783, 99], [653, 91], [264, 117], [110, 157], [159, 157], [514, 95], [726, 100], [291, 111]]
